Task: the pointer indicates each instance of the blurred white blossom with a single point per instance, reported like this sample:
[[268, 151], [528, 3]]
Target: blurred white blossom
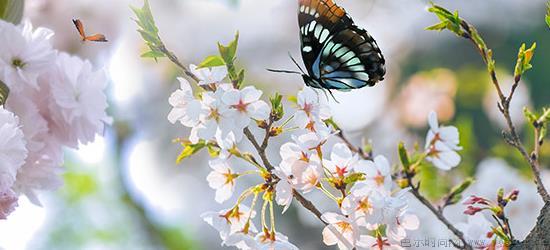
[[12, 157], [442, 144], [59, 101], [78, 105], [476, 230], [25, 54], [396, 216]]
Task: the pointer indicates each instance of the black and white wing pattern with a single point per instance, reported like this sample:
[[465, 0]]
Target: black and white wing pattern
[[337, 54]]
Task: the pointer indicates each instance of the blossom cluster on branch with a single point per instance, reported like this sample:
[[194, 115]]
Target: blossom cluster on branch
[[49, 100], [369, 195]]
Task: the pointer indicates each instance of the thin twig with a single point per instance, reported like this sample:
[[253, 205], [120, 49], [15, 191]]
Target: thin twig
[[172, 57], [504, 107], [353, 148], [308, 205]]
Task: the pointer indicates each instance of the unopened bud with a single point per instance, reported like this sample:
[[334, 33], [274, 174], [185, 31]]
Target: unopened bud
[[471, 210], [275, 131], [513, 195], [262, 124]]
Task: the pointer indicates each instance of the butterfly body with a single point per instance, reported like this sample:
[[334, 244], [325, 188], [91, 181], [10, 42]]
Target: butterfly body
[[337, 54], [93, 38]]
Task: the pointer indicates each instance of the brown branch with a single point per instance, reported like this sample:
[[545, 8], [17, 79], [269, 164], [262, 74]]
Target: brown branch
[[353, 148], [307, 204], [439, 214], [504, 107], [172, 57]]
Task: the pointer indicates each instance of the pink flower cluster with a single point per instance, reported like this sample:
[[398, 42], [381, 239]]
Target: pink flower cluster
[[55, 100]]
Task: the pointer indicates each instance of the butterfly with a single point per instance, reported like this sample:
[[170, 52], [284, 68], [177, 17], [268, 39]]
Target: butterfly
[[93, 38], [337, 54]]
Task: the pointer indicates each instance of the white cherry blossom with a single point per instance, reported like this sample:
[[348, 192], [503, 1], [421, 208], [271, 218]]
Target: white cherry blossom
[[186, 109], [241, 240], [377, 173], [342, 160], [209, 76], [396, 217], [369, 242], [278, 242], [247, 104], [222, 179], [341, 231], [218, 119], [310, 109], [230, 221], [365, 204], [442, 144]]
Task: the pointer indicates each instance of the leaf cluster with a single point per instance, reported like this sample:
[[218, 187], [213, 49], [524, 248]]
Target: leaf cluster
[[149, 31]]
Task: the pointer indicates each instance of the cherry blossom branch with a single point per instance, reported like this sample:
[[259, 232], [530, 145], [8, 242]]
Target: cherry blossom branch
[[511, 136], [172, 57]]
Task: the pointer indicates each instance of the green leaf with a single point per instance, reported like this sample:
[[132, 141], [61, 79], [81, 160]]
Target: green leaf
[[449, 20], [524, 59], [404, 156], [455, 194], [211, 61], [12, 10], [547, 17], [153, 54], [277, 110], [229, 52], [438, 27], [4, 93], [240, 78], [148, 30], [189, 150], [530, 116]]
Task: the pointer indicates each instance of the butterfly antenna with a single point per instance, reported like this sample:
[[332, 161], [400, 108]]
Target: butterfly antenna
[[284, 71], [296, 63], [331, 94]]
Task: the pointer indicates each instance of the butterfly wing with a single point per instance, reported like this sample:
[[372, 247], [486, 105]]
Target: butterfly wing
[[96, 38], [350, 60], [79, 27], [337, 54], [317, 19]]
